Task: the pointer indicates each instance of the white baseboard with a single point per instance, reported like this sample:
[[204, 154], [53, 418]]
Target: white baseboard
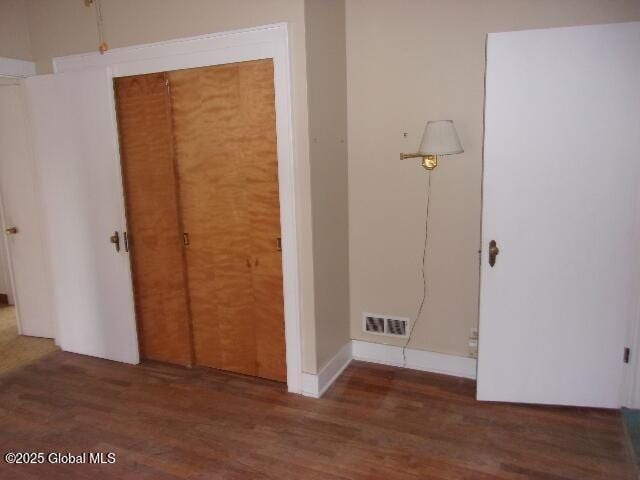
[[416, 359], [315, 385]]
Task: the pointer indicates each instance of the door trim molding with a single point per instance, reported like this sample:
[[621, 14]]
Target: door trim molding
[[12, 67], [269, 41]]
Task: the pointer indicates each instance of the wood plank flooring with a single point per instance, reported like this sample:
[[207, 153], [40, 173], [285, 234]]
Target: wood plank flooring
[[376, 422]]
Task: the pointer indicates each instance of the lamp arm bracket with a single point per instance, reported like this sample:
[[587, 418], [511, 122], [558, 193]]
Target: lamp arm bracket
[[405, 156]]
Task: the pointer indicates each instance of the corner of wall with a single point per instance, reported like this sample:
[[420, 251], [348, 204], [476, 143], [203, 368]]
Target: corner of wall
[[325, 35]]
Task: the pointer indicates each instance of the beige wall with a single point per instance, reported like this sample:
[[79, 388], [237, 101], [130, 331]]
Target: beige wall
[[409, 61], [63, 27], [14, 34], [327, 97]]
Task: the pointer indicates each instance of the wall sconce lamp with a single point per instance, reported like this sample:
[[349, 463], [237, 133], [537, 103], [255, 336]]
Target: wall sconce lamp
[[439, 138]]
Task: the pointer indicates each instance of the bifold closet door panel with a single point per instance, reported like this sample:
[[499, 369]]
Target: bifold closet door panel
[[224, 129], [208, 135], [155, 231], [260, 147]]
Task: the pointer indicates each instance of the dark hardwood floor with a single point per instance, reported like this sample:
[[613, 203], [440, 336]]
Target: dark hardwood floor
[[376, 422]]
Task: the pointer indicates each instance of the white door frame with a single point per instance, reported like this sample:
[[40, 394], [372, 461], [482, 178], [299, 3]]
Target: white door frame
[[269, 41], [8, 266], [13, 69]]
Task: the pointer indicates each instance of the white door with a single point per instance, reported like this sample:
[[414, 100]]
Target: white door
[[75, 137], [21, 209], [560, 198]]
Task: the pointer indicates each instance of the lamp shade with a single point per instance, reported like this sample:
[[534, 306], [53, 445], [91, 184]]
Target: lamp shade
[[440, 138]]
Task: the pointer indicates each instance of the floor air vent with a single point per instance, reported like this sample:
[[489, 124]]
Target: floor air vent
[[374, 324], [385, 325], [396, 326]]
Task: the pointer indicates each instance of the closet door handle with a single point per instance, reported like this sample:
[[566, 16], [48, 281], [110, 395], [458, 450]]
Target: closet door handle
[[493, 252], [279, 244]]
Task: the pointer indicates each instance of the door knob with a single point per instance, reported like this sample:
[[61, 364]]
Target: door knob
[[493, 252], [115, 239], [11, 231]]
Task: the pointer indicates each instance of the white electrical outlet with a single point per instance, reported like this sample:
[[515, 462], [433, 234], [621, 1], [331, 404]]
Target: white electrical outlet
[[473, 342]]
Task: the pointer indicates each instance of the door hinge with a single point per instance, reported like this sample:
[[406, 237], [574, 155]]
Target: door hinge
[[115, 239], [627, 354]]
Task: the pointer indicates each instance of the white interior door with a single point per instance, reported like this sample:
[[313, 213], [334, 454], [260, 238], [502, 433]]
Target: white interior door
[[560, 197], [75, 136], [21, 209]]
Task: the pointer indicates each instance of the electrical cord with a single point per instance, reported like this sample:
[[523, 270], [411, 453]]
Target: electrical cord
[[424, 277], [99, 21]]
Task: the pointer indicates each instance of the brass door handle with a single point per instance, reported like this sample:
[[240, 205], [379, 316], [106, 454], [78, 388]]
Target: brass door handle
[[493, 252], [115, 239], [11, 231]]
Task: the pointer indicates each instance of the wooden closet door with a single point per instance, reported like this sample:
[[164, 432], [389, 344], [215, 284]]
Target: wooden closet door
[[155, 231], [263, 204], [224, 129]]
